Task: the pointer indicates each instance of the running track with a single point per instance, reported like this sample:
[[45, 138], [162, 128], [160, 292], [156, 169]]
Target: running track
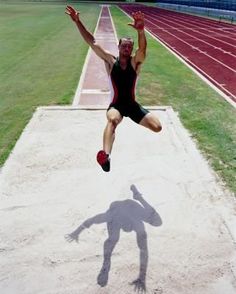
[[207, 45]]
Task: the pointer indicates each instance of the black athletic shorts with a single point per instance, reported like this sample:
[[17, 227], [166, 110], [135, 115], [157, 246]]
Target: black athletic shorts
[[133, 110]]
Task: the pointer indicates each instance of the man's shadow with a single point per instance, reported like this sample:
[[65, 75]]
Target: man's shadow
[[128, 215]]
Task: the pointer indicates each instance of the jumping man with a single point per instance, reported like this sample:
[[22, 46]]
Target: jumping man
[[122, 71]]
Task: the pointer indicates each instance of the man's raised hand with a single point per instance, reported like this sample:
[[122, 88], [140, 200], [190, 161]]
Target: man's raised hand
[[136, 194], [72, 13], [138, 21], [72, 237]]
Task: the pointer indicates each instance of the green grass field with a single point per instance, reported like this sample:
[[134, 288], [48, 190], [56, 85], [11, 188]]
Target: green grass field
[[209, 118], [41, 60], [41, 57]]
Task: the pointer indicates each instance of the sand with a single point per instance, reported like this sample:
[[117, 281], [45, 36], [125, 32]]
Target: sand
[[174, 233]]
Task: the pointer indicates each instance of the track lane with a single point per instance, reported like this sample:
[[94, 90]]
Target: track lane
[[208, 34], [216, 61], [195, 41]]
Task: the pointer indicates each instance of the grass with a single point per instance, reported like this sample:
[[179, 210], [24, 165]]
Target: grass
[[209, 118], [41, 57]]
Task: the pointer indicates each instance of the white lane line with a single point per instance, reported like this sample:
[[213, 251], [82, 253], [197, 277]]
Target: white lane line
[[183, 41], [204, 76], [209, 24], [193, 68], [192, 29], [207, 27], [95, 91], [113, 26], [166, 30]]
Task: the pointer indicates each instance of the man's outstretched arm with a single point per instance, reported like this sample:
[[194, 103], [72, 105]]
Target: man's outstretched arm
[[98, 219], [138, 24], [87, 36]]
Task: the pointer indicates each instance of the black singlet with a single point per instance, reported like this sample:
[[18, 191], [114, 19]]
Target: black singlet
[[123, 82]]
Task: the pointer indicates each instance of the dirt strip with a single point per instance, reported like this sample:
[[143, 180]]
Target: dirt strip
[[94, 86]]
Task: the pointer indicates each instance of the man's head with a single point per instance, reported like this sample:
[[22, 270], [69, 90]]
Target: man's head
[[125, 46]]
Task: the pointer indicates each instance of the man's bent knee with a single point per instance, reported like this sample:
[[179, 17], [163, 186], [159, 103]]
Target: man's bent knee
[[114, 121], [157, 127], [151, 122], [114, 117]]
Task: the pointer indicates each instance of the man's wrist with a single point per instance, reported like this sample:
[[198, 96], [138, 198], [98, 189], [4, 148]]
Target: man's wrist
[[141, 31], [140, 25], [76, 19]]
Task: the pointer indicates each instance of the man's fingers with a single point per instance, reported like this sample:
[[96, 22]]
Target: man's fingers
[[69, 7], [71, 10], [68, 238], [138, 15], [135, 16], [72, 13], [68, 11]]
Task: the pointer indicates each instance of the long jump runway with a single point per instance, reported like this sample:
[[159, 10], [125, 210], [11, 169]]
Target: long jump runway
[[159, 222], [207, 45]]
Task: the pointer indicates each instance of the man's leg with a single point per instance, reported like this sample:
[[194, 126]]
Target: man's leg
[[140, 282], [142, 116], [114, 118], [151, 122], [109, 245]]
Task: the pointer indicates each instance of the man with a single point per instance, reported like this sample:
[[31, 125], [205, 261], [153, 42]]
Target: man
[[123, 72]]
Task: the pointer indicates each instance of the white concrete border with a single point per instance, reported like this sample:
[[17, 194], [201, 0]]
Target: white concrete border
[[94, 107], [113, 26]]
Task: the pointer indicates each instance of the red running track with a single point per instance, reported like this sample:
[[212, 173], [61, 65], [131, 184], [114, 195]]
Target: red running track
[[207, 45]]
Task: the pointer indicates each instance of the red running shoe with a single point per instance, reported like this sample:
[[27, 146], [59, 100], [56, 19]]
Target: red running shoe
[[104, 160]]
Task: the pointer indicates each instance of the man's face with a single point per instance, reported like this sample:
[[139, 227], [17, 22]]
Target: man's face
[[125, 47]]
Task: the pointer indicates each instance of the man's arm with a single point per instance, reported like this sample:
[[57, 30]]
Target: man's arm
[[140, 53], [98, 219], [138, 24], [151, 216], [87, 36]]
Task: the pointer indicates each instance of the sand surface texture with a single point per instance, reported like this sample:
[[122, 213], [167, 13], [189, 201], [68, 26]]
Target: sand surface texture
[[159, 222]]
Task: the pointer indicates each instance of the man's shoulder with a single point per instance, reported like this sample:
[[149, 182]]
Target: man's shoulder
[[112, 60], [136, 65], [109, 64]]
